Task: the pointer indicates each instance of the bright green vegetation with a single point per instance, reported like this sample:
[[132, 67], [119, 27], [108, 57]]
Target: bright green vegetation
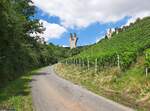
[[128, 44], [19, 52], [147, 63], [127, 84], [130, 87], [17, 94], [59, 53]]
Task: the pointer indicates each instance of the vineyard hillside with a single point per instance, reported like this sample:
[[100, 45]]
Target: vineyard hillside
[[127, 45], [117, 68]]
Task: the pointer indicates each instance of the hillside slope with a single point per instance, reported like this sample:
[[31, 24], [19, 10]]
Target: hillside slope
[[128, 44], [130, 87], [126, 84]]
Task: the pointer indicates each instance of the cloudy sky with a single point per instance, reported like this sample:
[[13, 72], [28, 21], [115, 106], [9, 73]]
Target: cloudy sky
[[90, 19]]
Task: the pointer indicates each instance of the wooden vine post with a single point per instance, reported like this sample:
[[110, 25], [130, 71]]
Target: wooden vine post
[[79, 62], [74, 62], [118, 61], [146, 69], [96, 65], [83, 63], [88, 64]]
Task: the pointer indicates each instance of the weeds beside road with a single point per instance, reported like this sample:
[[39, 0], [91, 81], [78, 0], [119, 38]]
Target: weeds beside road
[[130, 88], [17, 94]]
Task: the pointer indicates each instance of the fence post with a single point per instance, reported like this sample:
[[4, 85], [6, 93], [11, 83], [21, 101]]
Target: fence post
[[83, 63], [118, 61], [88, 64], [75, 61], [66, 62], [96, 65], [79, 62], [146, 69]]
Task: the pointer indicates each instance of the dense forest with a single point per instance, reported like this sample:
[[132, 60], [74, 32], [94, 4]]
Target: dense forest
[[19, 51]]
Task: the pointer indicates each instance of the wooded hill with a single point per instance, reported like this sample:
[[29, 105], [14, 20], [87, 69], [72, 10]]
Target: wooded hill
[[19, 51]]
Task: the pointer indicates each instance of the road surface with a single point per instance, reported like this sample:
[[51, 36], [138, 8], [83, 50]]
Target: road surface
[[52, 93]]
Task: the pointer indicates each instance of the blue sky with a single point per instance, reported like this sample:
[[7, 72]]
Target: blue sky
[[87, 35], [89, 19]]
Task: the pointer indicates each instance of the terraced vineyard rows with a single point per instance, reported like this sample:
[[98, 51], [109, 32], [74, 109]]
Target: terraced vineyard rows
[[127, 45]]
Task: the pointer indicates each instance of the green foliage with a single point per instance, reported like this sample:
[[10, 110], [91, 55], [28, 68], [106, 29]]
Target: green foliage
[[127, 44], [57, 53], [19, 52], [127, 58], [74, 51], [17, 94], [147, 58], [129, 87]]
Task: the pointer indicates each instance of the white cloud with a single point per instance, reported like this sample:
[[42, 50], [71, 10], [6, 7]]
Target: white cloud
[[81, 13], [65, 46], [139, 15], [52, 30]]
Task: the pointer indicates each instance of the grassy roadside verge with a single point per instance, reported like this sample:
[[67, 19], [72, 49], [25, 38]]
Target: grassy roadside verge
[[17, 94], [131, 88]]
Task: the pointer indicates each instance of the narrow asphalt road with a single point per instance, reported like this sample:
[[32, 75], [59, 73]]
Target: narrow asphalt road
[[52, 93]]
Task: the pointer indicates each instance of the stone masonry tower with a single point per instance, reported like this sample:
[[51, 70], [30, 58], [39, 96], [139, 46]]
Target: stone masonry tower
[[109, 33], [73, 40]]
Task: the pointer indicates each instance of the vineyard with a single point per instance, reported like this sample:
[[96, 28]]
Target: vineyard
[[114, 67], [147, 58], [121, 50]]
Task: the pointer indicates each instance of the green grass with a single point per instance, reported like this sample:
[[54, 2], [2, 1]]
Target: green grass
[[17, 94], [127, 85], [131, 88]]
